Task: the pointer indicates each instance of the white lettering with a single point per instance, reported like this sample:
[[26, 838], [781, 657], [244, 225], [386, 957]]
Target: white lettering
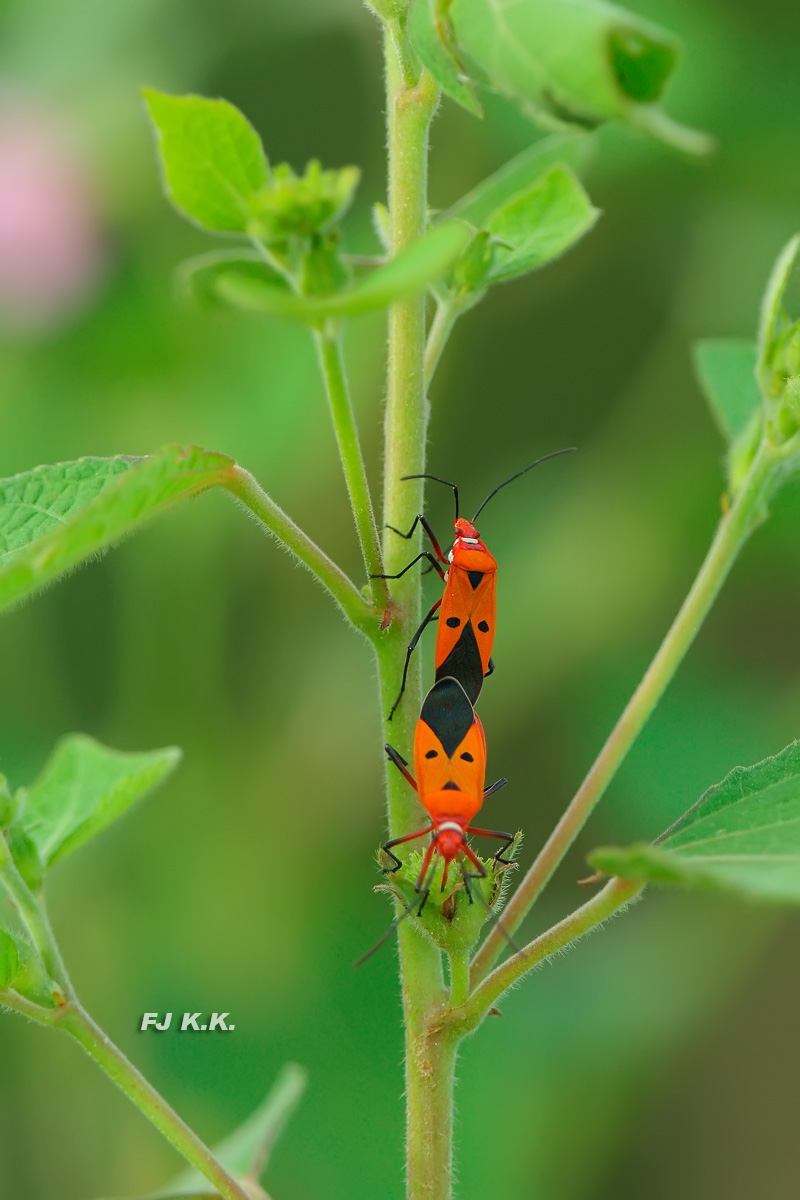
[[218, 1021], [190, 1022], [152, 1019]]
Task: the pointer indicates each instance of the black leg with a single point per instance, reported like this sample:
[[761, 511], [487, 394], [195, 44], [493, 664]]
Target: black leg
[[507, 838], [422, 520], [409, 837], [410, 650], [401, 765], [425, 554], [490, 671], [490, 791]]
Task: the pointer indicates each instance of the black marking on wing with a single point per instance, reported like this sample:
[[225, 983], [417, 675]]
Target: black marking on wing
[[450, 786], [475, 578], [467, 757], [453, 622], [483, 626], [463, 663], [448, 713], [432, 754]]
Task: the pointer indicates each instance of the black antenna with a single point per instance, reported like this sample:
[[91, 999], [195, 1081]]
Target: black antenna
[[436, 479], [524, 471], [492, 915]]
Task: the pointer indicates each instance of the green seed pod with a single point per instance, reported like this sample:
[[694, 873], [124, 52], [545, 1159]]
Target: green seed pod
[[452, 918]]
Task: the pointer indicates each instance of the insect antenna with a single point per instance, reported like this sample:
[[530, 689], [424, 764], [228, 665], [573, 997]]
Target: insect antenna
[[436, 479], [472, 892], [524, 471], [409, 910]]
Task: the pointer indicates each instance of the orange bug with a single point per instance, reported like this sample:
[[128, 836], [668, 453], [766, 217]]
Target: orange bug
[[467, 609], [450, 765]]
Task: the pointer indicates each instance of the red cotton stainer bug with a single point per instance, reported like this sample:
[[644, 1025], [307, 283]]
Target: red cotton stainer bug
[[450, 765], [467, 609]]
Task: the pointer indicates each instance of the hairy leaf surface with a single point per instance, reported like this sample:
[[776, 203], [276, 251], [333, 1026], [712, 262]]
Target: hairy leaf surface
[[83, 788], [212, 159], [54, 517], [743, 835]]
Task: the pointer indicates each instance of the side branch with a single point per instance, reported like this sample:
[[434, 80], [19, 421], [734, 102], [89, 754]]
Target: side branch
[[360, 614], [746, 512], [617, 894], [329, 351]]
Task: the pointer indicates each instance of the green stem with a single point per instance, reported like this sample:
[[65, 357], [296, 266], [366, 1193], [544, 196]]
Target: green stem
[[732, 532], [242, 484], [447, 313], [109, 1058], [35, 919], [459, 979], [21, 1004], [331, 361], [615, 895], [430, 1060]]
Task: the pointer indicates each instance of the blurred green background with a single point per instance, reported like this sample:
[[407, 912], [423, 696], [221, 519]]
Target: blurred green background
[[661, 1058]]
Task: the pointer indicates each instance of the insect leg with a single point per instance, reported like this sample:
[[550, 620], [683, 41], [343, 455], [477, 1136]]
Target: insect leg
[[490, 670], [409, 837], [425, 554], [412, 645], [401, 765], [495, 787], [481, 875], [422, 520], [508, 838]]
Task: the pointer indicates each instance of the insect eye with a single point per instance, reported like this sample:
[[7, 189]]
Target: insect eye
[[432, 754], [467, 757]]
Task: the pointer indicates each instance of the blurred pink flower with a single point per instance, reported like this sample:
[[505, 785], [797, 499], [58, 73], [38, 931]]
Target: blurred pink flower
[[51, 248]]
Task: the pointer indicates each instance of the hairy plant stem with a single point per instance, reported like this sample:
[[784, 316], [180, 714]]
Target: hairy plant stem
[[614, 896], [459, 979], [430, 1059], [331, 361], [67, 1014], [447, 313], [35, 919], [76, 1022], [745, 514], [360, 614]]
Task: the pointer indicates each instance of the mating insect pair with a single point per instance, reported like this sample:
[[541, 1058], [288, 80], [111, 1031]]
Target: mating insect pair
[[449, 741]]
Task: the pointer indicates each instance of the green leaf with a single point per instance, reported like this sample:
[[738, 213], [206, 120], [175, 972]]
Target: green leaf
[[247, 1151], [54, 517], [726, 370], [577, 63], [83, 788], [196, 279], [773, 319], [431, 37], [212, 159], [558, 149], [539, 224], [743, 835], [409, 273]]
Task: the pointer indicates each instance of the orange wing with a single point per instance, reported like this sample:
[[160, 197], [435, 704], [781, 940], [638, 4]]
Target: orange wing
[[461, 603], [450, 753]]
